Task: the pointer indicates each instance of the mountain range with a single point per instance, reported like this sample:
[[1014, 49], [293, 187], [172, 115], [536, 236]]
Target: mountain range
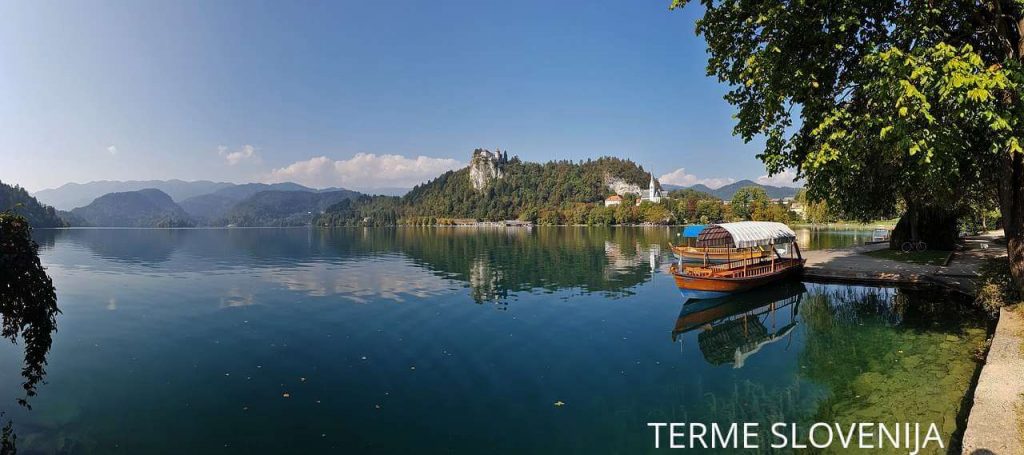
[[726, 192], [493, 187], [258, 204], [73, 195]]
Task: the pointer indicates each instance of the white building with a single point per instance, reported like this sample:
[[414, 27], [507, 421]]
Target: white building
[[653, 195], [613, 200]]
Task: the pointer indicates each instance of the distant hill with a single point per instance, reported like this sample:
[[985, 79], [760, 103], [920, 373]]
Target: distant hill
[[284, 208], [148, 207], [213, 208], [726, 192], [245, 190], [16, 199], [209, 209], [386, 191], [73, 195]]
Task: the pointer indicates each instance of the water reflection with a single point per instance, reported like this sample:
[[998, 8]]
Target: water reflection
[[737, 326], [493, 263], [207, 339]]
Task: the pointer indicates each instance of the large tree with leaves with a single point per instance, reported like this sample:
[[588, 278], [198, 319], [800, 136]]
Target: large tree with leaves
[[881, 105]]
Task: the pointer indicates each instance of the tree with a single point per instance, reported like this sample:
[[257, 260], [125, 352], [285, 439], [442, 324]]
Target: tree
[[882, 104], [816, 212], [28, 300], [748, 201], [654, 213], [709, 211], [601, 216]]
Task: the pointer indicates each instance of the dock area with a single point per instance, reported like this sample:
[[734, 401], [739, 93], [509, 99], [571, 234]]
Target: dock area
[[852, 265]]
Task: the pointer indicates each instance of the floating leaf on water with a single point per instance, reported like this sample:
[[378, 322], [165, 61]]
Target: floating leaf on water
[[559, 403]]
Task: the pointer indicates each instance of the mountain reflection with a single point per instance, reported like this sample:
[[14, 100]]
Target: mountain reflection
[[494, 263], [498, 262], [737, 326]]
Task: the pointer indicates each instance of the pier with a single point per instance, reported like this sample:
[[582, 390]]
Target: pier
[[852, 265]]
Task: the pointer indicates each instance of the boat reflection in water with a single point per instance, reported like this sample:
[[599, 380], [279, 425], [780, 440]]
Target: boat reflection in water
[[737, 326]]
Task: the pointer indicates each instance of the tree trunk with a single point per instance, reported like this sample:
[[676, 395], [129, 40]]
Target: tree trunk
[[935, 226], [1011, 206]]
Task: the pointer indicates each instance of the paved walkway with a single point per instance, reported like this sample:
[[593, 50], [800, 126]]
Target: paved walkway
[[852, 265], [994, 426]]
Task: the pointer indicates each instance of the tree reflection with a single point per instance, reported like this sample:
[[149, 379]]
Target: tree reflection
[[28, 301]]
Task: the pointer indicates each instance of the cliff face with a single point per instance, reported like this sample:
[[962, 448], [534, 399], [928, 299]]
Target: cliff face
[[486, 166], [621, 187]]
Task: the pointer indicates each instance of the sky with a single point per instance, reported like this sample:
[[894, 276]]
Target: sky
[[355, 94]]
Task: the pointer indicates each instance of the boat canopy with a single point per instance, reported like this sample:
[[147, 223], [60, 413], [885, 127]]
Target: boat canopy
[[745, 234], [693, 230]]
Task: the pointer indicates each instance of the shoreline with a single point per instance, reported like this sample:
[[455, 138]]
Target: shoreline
[[479, 224], [999, 392]]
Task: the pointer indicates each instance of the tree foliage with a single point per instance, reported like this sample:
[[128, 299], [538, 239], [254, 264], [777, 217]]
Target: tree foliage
[[880, 105], [17, 200], [873, 102], [28, 301]]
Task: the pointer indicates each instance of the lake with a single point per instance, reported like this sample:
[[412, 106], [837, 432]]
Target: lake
[[459, 340]]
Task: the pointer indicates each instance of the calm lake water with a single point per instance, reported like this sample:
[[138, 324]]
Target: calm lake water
[[455, 340]]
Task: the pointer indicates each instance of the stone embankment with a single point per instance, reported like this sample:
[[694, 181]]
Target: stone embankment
[[994, 426]]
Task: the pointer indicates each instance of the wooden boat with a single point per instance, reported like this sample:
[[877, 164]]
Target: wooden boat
[[712, 280], [716, 254], [687, 251]]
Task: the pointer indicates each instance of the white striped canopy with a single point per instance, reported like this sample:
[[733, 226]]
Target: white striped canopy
[[746, 234]]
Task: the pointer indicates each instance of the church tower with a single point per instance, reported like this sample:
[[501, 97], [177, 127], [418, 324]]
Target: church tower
[[652, 193]]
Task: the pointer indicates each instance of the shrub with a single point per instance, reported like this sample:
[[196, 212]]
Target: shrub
[[995, 287]]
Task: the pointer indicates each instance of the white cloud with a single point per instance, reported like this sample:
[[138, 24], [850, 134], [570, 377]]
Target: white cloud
[[246, 153], [112, 150], [681, 178], [364, 171], [784, 178]]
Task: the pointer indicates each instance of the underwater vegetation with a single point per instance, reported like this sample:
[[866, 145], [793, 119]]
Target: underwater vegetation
[[892, 356]]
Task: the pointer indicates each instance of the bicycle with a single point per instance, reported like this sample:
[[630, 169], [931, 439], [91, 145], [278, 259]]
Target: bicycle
[[914, 245]]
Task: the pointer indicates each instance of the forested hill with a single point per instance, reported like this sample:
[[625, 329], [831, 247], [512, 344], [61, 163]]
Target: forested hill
[[143, 208], [17, 200], [495, 187], [522, 188]]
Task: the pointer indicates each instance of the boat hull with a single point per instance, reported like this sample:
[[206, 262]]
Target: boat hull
[[711, 286]]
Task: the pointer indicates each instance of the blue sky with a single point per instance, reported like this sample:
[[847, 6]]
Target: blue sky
[[360, 94]]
